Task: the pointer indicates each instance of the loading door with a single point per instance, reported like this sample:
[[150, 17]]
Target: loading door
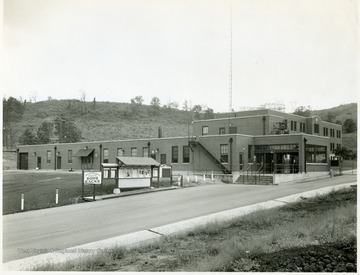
[[39, 162], [24, 161]]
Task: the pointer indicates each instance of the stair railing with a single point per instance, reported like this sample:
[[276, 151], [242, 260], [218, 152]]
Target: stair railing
[[247, 172], [258, 172]]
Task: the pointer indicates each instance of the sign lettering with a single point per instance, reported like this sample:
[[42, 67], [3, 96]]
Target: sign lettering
[[92, 177]]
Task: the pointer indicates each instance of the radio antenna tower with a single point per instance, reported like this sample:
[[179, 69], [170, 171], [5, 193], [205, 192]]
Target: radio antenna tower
[[230, 59]]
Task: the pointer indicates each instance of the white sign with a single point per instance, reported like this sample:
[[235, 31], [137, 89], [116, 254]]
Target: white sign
[[92, 177]]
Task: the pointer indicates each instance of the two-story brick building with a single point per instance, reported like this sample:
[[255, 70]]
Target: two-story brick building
[[273, 141]]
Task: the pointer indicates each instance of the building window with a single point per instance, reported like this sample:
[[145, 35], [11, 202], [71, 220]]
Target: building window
[[174, 154], [232, 130], [145, 152], [106, 155], [120, 152], [302, 127], [224, 153], [133, 151], [293, 126], [222, 131], [48, 156], [69, 156], [332, 133], [205, 130], [316, 128], [316, 154], [338, 146], [326, 131], [186, 154], [338, 133], [332, 147]]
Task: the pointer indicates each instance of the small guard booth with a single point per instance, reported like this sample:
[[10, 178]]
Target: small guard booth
[[136, 172]]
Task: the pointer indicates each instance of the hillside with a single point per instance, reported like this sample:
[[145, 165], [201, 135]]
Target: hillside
[[106, 120], [339, 113]]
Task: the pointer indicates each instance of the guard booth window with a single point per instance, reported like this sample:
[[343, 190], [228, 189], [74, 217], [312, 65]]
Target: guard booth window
[[106, 155]]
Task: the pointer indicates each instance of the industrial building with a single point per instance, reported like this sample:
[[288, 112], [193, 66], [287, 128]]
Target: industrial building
[[231, 143]]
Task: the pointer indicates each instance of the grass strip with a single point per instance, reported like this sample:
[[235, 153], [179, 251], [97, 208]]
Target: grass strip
[[315, 234]]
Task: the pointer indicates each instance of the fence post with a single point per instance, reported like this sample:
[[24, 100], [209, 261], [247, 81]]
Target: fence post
[[212, 175], [196, 178], [22, 202], [182, 181], [57, 196], [204, 177], [188, 179]]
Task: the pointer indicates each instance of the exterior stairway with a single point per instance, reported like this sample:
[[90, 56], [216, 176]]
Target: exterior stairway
[[195, 143]]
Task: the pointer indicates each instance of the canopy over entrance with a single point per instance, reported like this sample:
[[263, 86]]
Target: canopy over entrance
[[83, 152]]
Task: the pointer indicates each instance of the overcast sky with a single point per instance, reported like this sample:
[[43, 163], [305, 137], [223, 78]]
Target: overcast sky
[[296, 52]]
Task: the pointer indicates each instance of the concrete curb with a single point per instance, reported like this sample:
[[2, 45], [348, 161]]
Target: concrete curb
[[153, 234]]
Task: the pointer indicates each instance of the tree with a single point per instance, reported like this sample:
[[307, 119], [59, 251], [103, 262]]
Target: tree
[[186, 106], [137, 100], [28, 138], [82, 95], [13, 111], [209, 113], [342, 152], [330, 116], [349, 126], [197, 109], [44, 132], [173, 105], [155, 102], [66, 130], [302, 111]]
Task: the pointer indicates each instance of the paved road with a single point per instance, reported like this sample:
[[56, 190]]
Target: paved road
[[68, 226]]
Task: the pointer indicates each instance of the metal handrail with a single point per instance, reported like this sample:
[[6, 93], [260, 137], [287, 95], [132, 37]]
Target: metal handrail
[[247, 172], [258, 172]]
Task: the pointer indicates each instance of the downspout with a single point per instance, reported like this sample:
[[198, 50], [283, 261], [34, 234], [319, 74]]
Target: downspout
[[100, 146], [17, 159], [305, 140], [264, 119], [230, 141], [55, 158]]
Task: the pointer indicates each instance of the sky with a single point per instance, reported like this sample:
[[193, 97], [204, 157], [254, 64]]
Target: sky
[[292, 52]]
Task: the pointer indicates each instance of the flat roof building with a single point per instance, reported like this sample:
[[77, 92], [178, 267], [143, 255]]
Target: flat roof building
[[230, 143]]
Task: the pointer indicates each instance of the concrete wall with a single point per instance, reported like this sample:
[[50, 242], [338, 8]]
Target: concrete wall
[[293, 178]]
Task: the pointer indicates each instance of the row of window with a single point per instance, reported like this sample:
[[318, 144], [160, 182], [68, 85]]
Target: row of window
[[222, 131], [293, 127], [48, 156], [326, 131]]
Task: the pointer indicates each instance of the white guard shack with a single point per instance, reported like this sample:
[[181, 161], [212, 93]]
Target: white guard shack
[[135, 172]]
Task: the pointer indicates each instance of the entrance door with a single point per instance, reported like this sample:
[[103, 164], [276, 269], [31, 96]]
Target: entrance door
[[58, 162], [241, 161], [39, 162], [24, 161], [163, 159]]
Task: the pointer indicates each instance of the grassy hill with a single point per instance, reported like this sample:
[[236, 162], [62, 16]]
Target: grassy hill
[[339, 113], [107, 120]]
